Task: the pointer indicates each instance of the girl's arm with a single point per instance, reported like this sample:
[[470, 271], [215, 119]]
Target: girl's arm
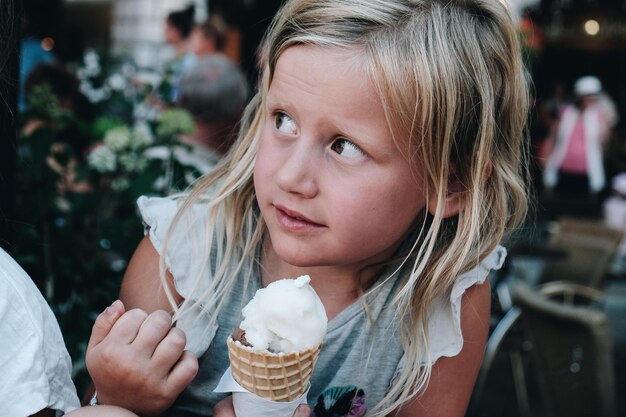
[[452, 380], [135, 357], [100, 411], [141, 286]]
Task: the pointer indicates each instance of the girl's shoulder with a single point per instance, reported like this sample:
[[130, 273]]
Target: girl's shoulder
[[445, 318], [182, 240], [179, 241]]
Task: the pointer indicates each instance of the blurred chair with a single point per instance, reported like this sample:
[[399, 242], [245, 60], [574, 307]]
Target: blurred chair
[[506, 338], [589, 249], [572, 348], [572, 294], [560, 330]]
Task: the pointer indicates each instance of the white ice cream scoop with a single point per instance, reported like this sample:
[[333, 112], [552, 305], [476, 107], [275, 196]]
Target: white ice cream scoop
[[286, 316]]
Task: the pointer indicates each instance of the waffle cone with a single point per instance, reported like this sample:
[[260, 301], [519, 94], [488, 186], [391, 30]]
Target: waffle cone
[[274, 376]]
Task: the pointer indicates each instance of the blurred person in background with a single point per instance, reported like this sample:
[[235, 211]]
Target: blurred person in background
[[177, 31], [214, 92], [575, 160], [178, 26], [208, 37]]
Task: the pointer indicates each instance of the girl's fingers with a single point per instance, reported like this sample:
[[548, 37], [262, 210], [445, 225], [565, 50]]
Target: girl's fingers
[[170, 349], [127, 326], [183, 372], [153, 331], [105, 322]]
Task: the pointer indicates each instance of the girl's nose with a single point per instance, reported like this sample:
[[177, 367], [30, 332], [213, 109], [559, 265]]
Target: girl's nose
[[297, 174]]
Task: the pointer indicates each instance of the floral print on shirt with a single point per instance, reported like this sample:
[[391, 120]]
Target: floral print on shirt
[[348, 401]]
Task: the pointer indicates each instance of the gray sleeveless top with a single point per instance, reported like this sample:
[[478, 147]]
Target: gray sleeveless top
[[358, 360]]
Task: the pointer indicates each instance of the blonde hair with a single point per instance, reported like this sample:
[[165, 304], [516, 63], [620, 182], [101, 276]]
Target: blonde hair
[[453, 87]]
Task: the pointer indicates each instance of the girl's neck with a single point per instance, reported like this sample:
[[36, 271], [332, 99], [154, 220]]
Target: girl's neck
[[337, 287]]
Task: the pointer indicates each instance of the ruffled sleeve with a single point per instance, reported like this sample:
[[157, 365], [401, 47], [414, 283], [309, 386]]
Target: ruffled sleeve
[[183, 249], [444, 324], [446, 338]]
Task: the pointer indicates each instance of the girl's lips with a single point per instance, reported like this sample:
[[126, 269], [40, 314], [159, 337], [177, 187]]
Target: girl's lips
[[293, 220]]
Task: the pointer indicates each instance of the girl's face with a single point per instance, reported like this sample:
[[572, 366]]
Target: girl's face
[[331, 185]]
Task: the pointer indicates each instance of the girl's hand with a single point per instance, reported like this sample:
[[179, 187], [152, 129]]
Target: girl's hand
[[225, 409], [137, 361]]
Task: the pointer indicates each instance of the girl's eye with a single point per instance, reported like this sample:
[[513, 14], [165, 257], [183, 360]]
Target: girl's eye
[[285, 124], [346, 148]]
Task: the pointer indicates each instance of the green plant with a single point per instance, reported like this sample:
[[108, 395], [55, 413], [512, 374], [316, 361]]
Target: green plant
[[77, 216]]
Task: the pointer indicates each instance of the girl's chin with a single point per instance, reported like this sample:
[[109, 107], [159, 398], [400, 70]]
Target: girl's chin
[[297, 255], [297, 261], [300, 259]]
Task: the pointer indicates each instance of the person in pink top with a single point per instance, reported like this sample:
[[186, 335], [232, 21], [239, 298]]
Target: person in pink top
[[575, 164]]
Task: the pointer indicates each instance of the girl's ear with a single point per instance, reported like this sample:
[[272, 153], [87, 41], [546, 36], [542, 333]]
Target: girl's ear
[[452, 204]]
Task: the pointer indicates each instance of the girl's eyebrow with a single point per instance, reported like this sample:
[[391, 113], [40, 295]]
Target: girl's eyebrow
[[280, 102], [270, 100]]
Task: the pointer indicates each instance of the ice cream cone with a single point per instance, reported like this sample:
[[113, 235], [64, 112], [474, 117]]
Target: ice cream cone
[[274, 376]]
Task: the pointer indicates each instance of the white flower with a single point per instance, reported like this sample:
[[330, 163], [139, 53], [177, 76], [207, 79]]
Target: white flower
[[142, 136], [148, 78], [128, 70], [102, 159], [132, 162], [144, 111], [120, 184], [92, 63], [160, 153], [116, 82], [94, 95], [118, 138], [160, 183]]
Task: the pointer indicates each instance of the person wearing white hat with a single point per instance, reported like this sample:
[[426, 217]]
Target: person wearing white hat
[[587, 86], [575, 165]]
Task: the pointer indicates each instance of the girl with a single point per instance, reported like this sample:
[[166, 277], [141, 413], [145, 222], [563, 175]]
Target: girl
[[383, 156]]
